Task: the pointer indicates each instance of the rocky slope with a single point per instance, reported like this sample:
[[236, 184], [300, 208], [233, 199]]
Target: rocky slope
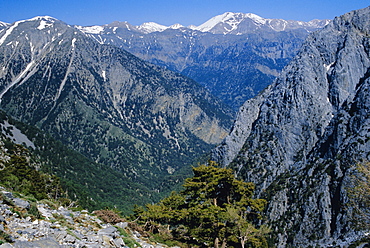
[[301, 138], [234, 55], [42, 225], [146, 122]]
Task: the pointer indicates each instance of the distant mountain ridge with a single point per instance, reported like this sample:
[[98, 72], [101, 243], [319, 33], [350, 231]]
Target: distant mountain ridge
[[227, 23], [233, 55]]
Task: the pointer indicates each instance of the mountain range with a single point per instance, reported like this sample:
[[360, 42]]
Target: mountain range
[[144, 121], [301, 138], [227, 23], [141, 124], [233, 55]]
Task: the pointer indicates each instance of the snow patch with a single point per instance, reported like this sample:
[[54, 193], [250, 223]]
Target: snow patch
[[327, 67], [91, 29], [5, 25], [16, 135], [73, 42], [19, 77], [9, 31], [256, 18], [43, 18], [44, 24], [66, 75], [104, 75]]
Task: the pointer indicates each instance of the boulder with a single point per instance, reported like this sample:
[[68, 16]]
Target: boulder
[[21, 203], [109, 231], [6, 245], [118, 242], [7, 194], [122, 225], [49, 242], [2, 219]]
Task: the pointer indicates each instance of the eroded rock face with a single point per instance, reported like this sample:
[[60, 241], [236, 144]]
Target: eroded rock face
[[302, 137]]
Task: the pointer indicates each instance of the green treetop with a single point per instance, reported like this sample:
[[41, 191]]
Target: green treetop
[[214, 209]]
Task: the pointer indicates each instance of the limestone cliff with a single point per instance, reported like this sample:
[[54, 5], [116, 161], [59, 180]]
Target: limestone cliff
[[300, 139]]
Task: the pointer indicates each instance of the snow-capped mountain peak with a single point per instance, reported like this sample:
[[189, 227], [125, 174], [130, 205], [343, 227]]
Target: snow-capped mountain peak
[[43, 18], [231, 19], [150, 27], [211, 23], [176, 26]]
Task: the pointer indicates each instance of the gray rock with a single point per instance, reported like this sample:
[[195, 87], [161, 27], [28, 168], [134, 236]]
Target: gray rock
[[69, 239], [7, 194], [109, 231], [21, 203], [6, 245], [8, 212], [2, 219], [118, 242], [49, 242], [122, 225], [60, 235]]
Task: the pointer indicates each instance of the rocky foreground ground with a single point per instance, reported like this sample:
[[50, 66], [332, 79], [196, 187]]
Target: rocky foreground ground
[[60, 227]]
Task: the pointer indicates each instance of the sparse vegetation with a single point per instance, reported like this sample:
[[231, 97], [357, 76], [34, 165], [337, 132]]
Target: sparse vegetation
[[109, 216], [359, 196]]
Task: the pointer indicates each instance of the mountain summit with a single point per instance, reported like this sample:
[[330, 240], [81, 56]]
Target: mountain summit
[[301, 138], [239, 23]]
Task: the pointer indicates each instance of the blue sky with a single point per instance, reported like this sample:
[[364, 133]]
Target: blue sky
[[168, 12]]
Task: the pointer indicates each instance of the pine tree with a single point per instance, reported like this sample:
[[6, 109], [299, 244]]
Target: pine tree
[[214, 208]]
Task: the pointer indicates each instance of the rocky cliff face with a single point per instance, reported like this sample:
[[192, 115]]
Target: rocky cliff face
[[234, 55], [300, 139], [146, 122]]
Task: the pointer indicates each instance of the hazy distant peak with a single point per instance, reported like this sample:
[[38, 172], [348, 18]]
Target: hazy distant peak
[[150, 27], [230, 18], [176, 26]]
